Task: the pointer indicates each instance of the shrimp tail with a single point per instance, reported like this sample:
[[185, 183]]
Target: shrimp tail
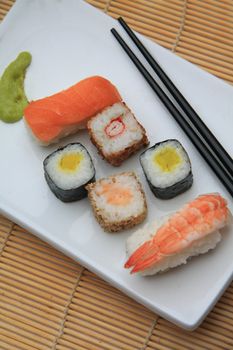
[[143, 264], [138, 254]]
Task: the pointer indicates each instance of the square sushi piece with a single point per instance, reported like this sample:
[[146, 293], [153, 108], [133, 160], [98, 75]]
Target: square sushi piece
[[118, 201], [68, 170], [116, 133], [167, 168]]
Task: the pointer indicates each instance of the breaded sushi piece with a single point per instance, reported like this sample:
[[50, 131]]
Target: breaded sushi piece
[[167, 168], [116, 133], [51, 118], [118, 201], [172, 240], [68, 170]]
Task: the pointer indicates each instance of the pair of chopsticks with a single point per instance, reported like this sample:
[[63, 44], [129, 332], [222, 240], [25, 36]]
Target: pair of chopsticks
[[200, 135]]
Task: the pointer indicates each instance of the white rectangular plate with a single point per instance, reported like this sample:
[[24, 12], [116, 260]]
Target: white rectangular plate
[[68, 42]]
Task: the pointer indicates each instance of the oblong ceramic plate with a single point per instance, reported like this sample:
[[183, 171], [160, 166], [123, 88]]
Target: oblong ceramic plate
[[68, 42]]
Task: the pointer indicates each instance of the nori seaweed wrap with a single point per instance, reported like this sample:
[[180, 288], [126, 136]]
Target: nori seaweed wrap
[[68, 171], [167, 168]]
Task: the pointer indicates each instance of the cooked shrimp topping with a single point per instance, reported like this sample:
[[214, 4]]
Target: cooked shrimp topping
[[202, 216]]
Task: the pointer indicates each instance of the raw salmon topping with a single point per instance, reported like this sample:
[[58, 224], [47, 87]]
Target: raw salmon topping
[[54, 116]]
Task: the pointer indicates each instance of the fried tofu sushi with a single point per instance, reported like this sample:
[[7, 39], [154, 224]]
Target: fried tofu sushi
[[118, 201], [68, 170], [167, 168], [116, 133]]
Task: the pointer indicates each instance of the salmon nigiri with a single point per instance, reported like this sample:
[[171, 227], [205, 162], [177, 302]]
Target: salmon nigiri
[[191, 231], [65, 112]]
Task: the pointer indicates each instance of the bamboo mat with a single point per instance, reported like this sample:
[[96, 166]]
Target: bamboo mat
[[48, 301]]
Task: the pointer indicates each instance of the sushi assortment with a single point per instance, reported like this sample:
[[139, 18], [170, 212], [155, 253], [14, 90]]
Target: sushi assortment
[[68, 171], [167, 168], [118, 201], [116, 133]]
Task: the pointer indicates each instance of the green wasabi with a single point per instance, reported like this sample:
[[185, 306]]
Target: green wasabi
[[12, 96]]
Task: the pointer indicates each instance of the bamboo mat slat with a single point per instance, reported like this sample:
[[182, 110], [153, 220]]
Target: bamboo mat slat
[[50, 302]]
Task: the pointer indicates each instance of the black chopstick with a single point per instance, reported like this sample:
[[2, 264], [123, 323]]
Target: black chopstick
[[193, 135], [202, 128]]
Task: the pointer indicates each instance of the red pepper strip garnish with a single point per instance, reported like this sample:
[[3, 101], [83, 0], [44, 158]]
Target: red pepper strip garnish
[[115, 127]]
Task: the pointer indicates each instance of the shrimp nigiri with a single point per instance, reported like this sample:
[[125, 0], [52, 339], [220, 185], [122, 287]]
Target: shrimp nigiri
[[191, 231]]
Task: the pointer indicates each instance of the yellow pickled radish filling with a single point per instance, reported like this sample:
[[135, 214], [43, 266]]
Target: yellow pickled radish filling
[[167, 159], [70, 162]]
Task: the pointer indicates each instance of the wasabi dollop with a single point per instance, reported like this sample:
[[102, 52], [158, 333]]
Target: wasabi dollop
[[12, 96]]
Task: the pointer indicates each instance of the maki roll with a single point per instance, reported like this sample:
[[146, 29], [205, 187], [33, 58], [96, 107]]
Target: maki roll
[[68, 170], [118, 201], [167, 168], [116, 133]]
